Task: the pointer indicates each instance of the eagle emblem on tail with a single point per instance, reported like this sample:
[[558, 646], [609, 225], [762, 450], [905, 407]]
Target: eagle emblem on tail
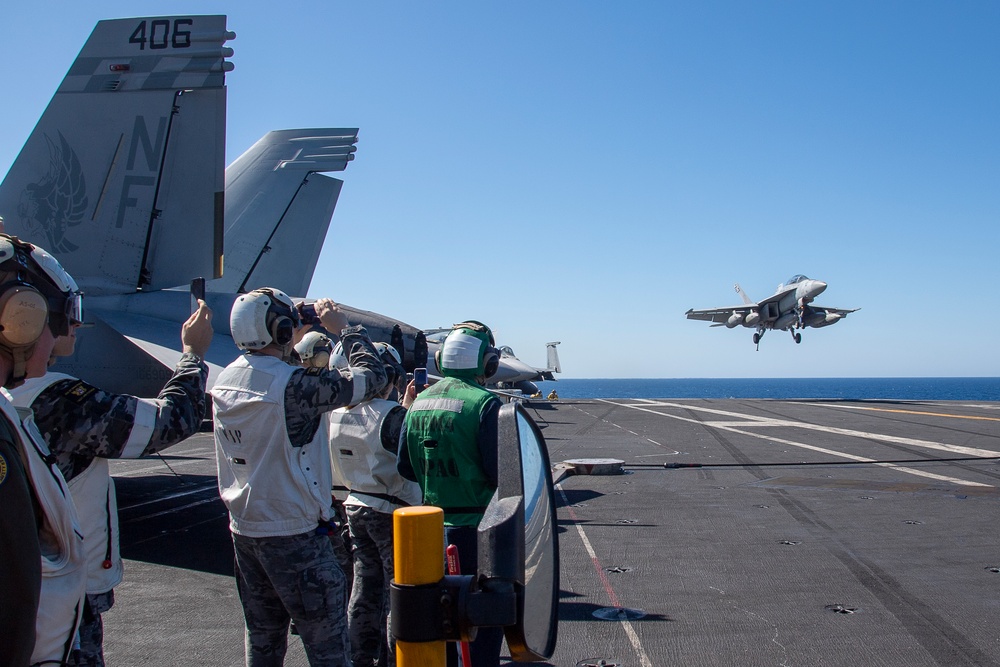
[[59, 200]]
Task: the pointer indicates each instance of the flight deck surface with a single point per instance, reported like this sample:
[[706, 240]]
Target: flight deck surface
[[784, 533]]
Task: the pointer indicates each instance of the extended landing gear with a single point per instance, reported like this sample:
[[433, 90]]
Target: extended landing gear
[[756, 338], [797, 337]]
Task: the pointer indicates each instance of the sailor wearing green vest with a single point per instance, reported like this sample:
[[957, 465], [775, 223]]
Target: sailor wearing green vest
[[448, 445]]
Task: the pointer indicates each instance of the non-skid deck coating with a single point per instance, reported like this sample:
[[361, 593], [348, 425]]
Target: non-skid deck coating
[[794, 533]]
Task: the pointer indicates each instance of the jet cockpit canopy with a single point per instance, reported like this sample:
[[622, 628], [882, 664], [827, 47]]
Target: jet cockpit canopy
[[797, 278]]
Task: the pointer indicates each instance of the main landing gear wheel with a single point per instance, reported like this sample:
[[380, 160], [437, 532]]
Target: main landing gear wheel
[[756, 339], [797, 337]]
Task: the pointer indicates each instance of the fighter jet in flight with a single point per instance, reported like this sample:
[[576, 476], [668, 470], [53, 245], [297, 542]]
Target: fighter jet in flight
[[788, 309]]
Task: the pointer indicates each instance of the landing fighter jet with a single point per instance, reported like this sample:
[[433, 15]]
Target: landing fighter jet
[[787, 309]]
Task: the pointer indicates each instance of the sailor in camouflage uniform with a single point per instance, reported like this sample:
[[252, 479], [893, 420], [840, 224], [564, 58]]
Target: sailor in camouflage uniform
[[85, 426], [43, 572], [364, 439], [315, 351], [274, 475]]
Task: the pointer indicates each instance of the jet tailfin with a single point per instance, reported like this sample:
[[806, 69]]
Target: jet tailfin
[[552, 357], [743, 295], [278, 208], [122, 178]]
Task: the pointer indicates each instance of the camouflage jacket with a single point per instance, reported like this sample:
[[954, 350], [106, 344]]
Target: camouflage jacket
[[81, 422], [312, 392]]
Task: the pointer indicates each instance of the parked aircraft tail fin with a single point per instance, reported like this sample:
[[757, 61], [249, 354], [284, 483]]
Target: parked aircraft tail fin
[[122, 178], [278, 208], [552, 357]]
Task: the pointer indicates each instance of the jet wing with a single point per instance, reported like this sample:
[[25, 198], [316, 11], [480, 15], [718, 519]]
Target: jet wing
[[717, 315], [134, 340]]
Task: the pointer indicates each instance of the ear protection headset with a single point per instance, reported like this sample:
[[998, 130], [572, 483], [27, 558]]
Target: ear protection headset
[[314, 350], [24, 314], [281, 329], [321, 359], [283, 320], [491, 362], [24, 310]]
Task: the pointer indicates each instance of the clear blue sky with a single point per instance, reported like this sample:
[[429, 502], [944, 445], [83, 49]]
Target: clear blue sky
[[590, 170]]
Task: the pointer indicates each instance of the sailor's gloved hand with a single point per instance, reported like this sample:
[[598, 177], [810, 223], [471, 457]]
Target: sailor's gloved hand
[[362, 356]]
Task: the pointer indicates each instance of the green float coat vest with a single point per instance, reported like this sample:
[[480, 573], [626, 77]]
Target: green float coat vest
[[442, 427]]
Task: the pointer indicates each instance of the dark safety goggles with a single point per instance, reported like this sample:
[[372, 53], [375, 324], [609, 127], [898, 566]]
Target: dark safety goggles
[[65, 312]]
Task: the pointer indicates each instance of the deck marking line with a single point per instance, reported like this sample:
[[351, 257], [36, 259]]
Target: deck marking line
[[205, 487], [632, 432], [985, 453], [171, 511], [224, 514], [909, 412], [955, 449], [161, 467], [633, 636]]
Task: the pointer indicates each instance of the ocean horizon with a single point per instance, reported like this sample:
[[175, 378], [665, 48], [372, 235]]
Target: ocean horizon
[[905, 388]]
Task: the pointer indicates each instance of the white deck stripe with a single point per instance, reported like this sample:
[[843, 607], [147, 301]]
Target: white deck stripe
[[724, 426]]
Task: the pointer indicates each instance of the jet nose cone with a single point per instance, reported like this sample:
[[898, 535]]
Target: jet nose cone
[[817, 287]]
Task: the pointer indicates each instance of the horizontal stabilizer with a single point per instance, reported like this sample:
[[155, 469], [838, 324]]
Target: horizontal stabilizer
[[122, 178], [135, 340]]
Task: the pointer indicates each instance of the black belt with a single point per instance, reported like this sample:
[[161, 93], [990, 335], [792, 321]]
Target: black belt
[[385, 496], [382, 496]]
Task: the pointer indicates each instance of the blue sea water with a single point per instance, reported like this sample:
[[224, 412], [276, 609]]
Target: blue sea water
[[926, 389]]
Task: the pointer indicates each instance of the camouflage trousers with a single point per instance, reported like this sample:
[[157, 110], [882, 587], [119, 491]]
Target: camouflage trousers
[[368, 611], [341, 540], [91, 653], [294, 577]]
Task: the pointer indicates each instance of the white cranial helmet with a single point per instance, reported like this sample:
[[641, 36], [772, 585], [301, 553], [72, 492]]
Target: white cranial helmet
[[338, 359], [262, 317], [35, 293], [384, 349], [314, 349]]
